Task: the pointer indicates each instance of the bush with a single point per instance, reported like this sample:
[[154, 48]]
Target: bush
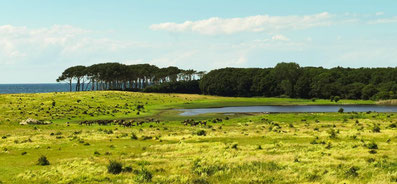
[[114, 167], [43, 161], [201, 133], [144, 176], [341, 110], [336, 98], [235, 146], [127, 169], [376, 128], [352, 172], [332, 133], [133, 136], [200, 181], [372, 145]]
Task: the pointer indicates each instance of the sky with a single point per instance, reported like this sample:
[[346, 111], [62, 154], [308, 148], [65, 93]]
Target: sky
[[41, 38]]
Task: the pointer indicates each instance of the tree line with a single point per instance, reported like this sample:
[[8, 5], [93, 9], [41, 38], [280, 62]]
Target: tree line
[[291, 80], [283, 80], [117, 76]]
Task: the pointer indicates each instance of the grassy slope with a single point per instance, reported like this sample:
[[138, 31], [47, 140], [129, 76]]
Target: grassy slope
[[174, 154], [112, 105]]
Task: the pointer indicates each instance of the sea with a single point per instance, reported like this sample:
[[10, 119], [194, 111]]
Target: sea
[[33, 88]]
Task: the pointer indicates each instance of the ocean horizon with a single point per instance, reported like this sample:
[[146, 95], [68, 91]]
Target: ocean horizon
[[34, 88]]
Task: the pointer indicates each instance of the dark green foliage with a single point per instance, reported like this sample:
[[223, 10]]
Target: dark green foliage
[[372, 145], [143, 175], [289, 79], [372, 151], [201, 133], [202, 169], [188, 87], [127, 169], [376, 128], [341, 110], [43, 161], [235, 146], [352, 172], [332, 133], [133, 136], [200, 181], [114, 167], [117, 76]]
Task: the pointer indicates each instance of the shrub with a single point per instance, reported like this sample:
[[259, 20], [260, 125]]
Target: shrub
[[202, 169], [352, 172], [235, 146], [376, 128], [43, 161], [332, 133], [144, 175], [200, 181], [133, 136], [201, 133], [329, 146], [127, 169], [114, 167], [372, 146], [372, 151], [336, 98], [341, 110]]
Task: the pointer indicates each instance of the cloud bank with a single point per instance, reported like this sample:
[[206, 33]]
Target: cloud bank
[[259, 23]]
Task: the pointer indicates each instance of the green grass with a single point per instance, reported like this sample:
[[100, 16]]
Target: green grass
[[69, 107], [247, 148]]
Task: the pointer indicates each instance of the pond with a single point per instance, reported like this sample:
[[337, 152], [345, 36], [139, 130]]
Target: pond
[[289, 108]]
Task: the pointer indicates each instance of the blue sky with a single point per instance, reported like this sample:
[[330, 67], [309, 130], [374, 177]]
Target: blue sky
[[40, 38]]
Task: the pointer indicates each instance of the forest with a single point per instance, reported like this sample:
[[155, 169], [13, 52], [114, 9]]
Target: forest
[[283, 80], [117, 76]]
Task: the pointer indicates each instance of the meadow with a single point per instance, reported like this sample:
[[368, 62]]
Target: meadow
[[241, 148]]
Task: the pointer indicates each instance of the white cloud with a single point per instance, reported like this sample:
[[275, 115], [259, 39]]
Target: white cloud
[[58, 42], [280, 38], [259, 23], [379, 13], [384, 21]]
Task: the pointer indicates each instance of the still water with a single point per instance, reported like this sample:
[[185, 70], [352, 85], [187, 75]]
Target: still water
[[290, 108]]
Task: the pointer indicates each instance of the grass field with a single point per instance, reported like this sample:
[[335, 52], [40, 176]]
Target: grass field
[[66, 107], [253, 148]]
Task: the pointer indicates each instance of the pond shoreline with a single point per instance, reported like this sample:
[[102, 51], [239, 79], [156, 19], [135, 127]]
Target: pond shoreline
[[287, 109]]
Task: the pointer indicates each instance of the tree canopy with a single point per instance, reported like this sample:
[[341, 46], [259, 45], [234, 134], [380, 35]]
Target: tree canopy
[[284, 80], [117, 76], [291, 80]]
